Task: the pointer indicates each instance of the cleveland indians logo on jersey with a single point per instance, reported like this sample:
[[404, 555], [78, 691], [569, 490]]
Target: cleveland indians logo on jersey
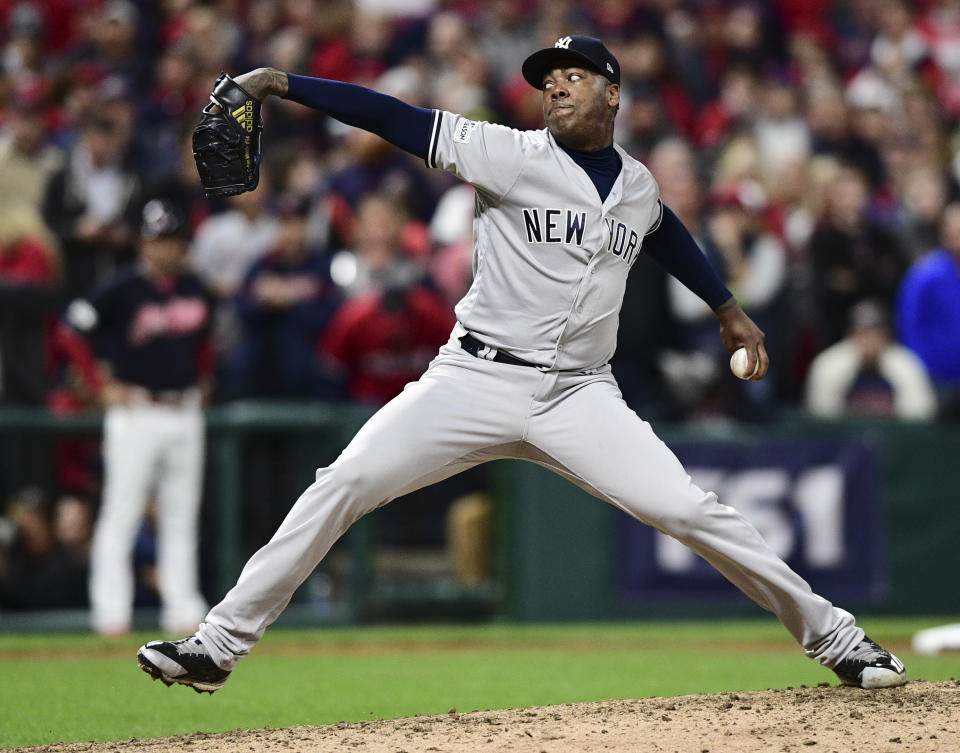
[[178, 316]]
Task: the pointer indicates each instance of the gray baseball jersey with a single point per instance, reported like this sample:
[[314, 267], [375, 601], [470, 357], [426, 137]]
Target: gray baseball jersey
[[550, 259], [550, 266]]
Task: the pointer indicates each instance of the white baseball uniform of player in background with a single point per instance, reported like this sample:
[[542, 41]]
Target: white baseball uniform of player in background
[[550, 265], [155, 319]]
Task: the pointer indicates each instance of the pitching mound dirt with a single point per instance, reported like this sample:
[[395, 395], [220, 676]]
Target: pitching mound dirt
[[923, 716]]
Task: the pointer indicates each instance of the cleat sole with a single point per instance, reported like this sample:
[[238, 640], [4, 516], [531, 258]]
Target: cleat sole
[[155, 673]]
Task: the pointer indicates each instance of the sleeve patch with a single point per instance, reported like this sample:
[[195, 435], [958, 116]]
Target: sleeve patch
[[464, 130]]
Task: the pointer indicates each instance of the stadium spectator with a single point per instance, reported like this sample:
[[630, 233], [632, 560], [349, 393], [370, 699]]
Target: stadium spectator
[[940, 27], [228, 243], [91, 204], [451, 231], [781, 135], [285, 303], [928, 312], [224, 248], [733, 107], [24, 53], [27, 157], [869, 374], [460, 70], [753, 263], [44, 561], [29, 288], [111, 39], [833, 134], [853, 256], [646, 306], [675, 166], [80, 100], [504, 37], [377, 259], [374, 166], [899, 47], [644, 122], [392, 326], [924, 193], [645, 65], [29, 283]]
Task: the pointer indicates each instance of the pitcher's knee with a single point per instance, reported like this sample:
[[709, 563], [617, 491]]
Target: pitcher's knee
[[362, 484], [687, 516]]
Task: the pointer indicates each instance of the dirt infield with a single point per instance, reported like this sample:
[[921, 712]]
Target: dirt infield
[[921, 717]]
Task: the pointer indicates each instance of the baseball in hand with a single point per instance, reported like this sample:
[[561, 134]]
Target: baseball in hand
[[739, 365]]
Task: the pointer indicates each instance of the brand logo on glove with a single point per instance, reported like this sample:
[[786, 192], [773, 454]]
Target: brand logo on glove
[[244, 115]]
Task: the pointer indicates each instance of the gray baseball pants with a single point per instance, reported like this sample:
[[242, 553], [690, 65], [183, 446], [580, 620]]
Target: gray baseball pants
[[466, 410]]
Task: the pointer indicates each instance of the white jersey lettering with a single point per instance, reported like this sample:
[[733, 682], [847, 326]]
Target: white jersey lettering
[[531, 220], [573, 226], [553, 226], [617, 242]]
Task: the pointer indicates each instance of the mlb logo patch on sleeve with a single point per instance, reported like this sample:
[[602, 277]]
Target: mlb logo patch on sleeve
[[464, 130]]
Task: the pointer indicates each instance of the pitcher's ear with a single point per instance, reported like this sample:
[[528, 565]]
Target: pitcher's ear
[[613, 94]]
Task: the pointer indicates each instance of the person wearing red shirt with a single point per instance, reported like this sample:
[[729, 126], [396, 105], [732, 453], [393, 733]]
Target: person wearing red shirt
[[385, 335], [386, 339]]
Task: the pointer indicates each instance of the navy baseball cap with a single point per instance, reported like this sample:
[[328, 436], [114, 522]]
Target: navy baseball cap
[[160, 219], [588, 50]]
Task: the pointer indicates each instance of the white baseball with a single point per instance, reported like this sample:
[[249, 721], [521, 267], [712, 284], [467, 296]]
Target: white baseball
[[739, 365]]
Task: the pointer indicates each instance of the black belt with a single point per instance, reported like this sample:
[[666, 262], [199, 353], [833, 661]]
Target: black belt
[[473, 346]]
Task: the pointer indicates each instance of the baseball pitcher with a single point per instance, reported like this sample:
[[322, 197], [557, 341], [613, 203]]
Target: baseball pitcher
[[561, 216]]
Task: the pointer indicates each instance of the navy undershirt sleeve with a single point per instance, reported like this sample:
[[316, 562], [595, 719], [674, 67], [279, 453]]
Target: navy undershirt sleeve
[[674, 249], [403, 125]]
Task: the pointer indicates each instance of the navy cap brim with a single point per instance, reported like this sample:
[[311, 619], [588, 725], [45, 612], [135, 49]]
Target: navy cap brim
[[535, 66]]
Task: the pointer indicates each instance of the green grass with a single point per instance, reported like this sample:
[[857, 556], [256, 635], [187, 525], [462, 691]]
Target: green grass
[[77, 687]]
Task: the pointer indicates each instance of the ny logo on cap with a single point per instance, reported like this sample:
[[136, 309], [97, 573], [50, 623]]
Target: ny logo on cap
[[563, 43], [609, 67]]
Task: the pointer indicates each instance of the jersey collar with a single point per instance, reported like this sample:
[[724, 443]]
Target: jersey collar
[[613, 198], [616, 193]]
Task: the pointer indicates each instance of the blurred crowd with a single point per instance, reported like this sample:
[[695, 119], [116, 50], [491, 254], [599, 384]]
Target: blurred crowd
[[811, 146]]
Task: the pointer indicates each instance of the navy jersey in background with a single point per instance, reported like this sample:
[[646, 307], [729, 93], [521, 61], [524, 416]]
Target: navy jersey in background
[[153, 332]]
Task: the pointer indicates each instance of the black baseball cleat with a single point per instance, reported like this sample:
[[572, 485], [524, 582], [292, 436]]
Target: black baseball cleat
[[185, 661], [870, 666]]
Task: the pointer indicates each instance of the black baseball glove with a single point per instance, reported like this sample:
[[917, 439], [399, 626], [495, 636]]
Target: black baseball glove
[[226, 141]]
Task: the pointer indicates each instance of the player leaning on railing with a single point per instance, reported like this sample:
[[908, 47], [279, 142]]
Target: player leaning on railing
[[561, 215]]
